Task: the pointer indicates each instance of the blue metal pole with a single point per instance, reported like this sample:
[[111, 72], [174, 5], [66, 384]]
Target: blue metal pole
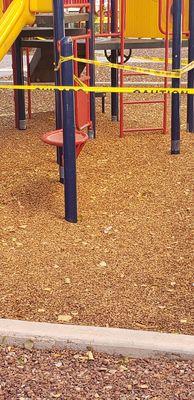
[[114, 59], [190, 101], [69, 134], [91, 27], [18, 77], [58, 23], [176, 64], [58, 33]]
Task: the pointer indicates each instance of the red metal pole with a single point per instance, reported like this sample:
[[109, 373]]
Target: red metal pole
[[165, 114], [101, 15], [108, 16], [122, 12], [28, 80]]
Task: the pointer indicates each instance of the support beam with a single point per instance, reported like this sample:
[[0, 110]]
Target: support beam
[[58, 24], [114, 59], [69, 135], [90, 26], [18, 79], [176, 64], [190, 100]]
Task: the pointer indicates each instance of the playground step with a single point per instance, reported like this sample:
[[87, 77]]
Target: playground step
[[45, 32], [33, 31], [74, 17]]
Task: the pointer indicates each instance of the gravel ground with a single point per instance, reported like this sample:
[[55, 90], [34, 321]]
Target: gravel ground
[[32, 374]]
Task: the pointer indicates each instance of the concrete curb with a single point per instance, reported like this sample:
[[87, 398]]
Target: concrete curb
[[139, 344]]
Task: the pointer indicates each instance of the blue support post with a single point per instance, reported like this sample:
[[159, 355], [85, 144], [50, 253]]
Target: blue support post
[[91, 27], [114, 59], [58, 25], [69, 134], [190, 100], [18, 79], [176, 64]]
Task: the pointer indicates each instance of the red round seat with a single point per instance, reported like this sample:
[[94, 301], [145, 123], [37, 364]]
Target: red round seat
[[55, 138]]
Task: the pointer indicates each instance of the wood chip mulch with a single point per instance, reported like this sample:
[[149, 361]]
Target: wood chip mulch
[[27, 374], [128, 262]]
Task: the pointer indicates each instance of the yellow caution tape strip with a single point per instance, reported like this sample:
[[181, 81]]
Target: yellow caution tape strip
[[40, 38], [148, 58], [184, 61], [147, 71], [166, 74], [100, 89], [79, 81], [187, 68]]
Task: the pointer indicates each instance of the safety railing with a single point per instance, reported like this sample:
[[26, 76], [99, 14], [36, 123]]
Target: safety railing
[[169, 10], [106, 19], [76, 3]]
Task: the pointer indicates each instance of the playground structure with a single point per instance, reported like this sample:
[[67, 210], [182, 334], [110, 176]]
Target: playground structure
[[75, 112]]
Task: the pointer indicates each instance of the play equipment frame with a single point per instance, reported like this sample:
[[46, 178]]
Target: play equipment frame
[[65, 109], [190, 100]]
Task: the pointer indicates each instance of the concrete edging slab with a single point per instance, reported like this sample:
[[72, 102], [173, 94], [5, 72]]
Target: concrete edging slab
[[126, 342]]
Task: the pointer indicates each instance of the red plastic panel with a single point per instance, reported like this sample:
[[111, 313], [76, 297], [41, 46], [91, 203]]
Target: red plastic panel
[[82, 110]]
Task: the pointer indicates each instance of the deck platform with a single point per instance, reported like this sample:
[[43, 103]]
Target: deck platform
[[29, 35]]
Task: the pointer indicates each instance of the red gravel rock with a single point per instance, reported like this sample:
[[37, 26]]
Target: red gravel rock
[[45, 375]]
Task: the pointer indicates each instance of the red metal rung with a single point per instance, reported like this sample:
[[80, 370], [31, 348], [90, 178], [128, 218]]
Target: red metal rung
[[144, 102], [142, 129]]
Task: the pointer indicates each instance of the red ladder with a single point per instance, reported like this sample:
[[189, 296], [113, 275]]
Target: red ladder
[[123, 74]]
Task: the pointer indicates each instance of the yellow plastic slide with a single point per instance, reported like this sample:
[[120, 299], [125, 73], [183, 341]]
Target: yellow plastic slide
[[19, 14], [1, 8]]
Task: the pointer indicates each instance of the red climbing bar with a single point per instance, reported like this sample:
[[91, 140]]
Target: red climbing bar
[[76, 3]]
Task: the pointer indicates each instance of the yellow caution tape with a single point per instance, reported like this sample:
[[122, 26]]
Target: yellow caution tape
[[79, 81], [187, 68], [98, 19], [184, 61], [166, 74], [148, 71], [40, 38], [128, 68], [100, 89]]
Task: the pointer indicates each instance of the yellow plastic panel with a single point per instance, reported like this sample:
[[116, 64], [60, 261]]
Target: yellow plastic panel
[[142, 18], [41, 6]]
